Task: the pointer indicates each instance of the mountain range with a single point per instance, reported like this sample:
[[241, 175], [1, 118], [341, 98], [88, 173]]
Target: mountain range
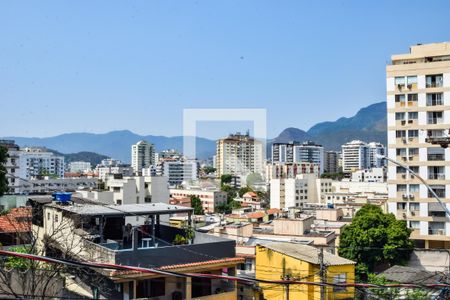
[[368, 124]]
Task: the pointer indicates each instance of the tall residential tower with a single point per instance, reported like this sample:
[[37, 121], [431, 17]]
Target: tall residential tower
[[418, 110], [142, 155]]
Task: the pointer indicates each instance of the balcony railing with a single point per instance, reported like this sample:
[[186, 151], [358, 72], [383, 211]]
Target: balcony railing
[[435, 120], [436, 176], [436, 156], [434, 102], [436, 231], [433, 84]]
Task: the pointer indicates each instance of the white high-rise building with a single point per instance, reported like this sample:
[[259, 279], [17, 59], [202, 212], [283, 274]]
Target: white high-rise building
[[38, 162], [376, 153], [12, 165], [178, 172], [355, 156], [142, 155], [79, 166], [418, 114]]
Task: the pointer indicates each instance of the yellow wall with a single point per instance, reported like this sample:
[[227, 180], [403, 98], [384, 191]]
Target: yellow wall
[[271, 265]]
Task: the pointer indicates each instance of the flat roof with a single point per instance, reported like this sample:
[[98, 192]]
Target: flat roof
[[125, 209], [307, 253]]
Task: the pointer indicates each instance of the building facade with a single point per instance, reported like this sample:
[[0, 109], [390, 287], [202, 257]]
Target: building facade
[[79, 166], [142, 155], [178, 171], [331, 162], [209, 199], [296, 192], [418, 101], [12, 165], [35, 162], [239, 155]]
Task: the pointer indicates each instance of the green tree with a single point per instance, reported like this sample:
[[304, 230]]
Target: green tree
[[334, 176], [209, 169], [374, 238], [3, 177], [225, 179], [196, 204]]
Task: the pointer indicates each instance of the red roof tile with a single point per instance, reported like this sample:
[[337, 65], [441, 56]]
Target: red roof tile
[[17, 220], [273, 211], [189, 265], [256, 215]]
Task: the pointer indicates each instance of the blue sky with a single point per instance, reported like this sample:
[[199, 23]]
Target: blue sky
[[71, 66]]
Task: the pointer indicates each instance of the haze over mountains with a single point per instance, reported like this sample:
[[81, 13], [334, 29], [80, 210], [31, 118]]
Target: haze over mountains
[[369, 124]]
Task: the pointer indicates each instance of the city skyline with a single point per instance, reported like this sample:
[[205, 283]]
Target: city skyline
[[144, 64]]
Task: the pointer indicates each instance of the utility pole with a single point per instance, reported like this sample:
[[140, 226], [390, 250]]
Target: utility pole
[[322, 272], [286, 290]]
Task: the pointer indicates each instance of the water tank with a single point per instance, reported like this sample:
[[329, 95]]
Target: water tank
[[62, 197]]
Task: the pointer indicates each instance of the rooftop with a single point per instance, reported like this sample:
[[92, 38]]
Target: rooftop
[[307, 253], [17, 220], [131, 209], [411, 275]]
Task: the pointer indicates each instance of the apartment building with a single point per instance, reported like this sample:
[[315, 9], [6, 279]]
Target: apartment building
[[358, 155], [296, 192], [209, 198], [295, 152], [331, 162], [178, 171], [283, 152], [369, 175], [376, 153], [418, 102], [290, 170], [239, 154], [12, 165], [79, 166], [142, 155], [35, 162]]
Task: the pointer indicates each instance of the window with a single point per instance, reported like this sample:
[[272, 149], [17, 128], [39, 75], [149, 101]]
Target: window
[[432, 81], [401, 151], [413, 151], [401, 206], [401, 187], [400, 170], [48, 216], [410, 80], [119, 201], [56, 218], [400, 98], [413, 115], [412, 97], [434, 99], [400, 133], [439, 190], [413, 133], [414, 188], [399, 81], [400, 116], [414, 224], [434, 154], [435, 117], [415, 169], [339, 279]]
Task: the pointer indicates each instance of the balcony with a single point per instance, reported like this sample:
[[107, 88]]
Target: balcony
[[436, 157], [432, 121], [435, 102], [439, 231], [436, 176]]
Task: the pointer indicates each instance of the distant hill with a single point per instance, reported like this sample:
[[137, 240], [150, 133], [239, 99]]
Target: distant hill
[[93, 158], [115, 144], [369, 124]]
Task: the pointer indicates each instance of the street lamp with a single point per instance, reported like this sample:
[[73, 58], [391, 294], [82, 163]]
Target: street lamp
[[447, 211]]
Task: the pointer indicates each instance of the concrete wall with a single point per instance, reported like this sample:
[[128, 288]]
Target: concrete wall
[[430, 260]]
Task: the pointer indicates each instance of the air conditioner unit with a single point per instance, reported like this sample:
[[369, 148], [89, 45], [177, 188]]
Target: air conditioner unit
[[403, 122], [413, 213], [409, 86], [404, 140], [404, 215], [405, 196], [410, 121], [403, 176], [411, 196]]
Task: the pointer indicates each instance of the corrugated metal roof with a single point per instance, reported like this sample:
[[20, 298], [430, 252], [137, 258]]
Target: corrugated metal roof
[[307, 253], [131, 209]]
